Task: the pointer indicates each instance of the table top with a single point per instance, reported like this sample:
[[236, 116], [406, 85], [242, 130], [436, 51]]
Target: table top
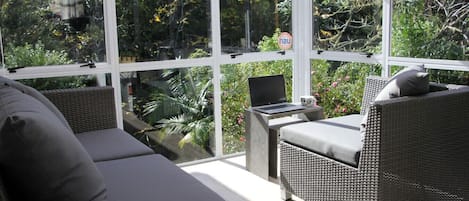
[[282, 114]]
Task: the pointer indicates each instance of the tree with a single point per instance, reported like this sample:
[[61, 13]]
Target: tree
[[435, 30], [29, 22], [264, 18], [431, 29], [353, 25], [159, 30]]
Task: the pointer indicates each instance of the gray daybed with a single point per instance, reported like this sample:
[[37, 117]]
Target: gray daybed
[[69, 149]]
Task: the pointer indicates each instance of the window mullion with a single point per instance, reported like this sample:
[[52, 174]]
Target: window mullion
[[302, 43], [112, 54], [386, 44], [216, 54]]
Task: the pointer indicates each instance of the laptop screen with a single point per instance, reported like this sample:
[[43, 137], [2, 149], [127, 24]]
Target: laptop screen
[[267, 90]]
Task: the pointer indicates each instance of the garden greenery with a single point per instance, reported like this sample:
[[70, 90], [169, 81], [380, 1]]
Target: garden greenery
[[181, 101]]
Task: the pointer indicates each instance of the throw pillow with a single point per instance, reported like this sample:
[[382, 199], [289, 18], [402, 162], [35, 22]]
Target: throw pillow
[[41, 159], [410, 81], [37, 95]]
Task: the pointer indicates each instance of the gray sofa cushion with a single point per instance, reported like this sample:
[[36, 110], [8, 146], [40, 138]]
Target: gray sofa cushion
[[40, 159], [150, 178], [37, 95], [109, 144], [338, 138]]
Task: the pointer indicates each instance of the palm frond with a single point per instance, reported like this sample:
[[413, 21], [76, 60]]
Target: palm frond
[[187, 96], [175, 125]]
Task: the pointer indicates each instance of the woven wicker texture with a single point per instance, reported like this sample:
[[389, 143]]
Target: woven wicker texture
[[425, 151], [86, 109], [311, 176], [373, 86], [415, 148]]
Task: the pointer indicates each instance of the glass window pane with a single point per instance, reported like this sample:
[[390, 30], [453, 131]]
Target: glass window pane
[[245, 23], [431, 29], [442, 76], [171, 111], [347, 25], [235, 97], [163, 29], [449, 76], [39, 33], [68, 82], [338, 86]]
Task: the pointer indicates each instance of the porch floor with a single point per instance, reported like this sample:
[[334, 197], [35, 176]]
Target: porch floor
[[230, 179]]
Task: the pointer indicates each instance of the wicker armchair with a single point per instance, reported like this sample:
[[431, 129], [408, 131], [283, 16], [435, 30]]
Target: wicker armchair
[[415, 148]]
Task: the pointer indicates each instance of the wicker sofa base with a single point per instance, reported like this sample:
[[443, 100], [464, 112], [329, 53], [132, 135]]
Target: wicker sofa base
[[315, 174], [414, 148], [318, 178]]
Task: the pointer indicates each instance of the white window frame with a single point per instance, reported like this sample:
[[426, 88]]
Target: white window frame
[[301, 57]]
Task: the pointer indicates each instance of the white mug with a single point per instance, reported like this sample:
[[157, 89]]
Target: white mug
[[308, 101]]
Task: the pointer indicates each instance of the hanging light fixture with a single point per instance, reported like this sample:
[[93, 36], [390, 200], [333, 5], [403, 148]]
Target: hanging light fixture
[[73, 12]]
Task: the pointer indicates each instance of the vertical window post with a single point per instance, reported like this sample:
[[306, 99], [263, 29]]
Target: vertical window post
[[386, 47], [1, 50]]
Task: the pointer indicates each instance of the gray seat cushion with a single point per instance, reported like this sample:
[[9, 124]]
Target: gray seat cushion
[[338, 138], [152, 177], [110, 144], [40, 158]]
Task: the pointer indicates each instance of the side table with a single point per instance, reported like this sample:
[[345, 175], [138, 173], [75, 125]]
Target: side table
[[262, 137]]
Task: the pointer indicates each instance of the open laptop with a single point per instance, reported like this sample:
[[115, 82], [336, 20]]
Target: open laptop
[[268, 95]]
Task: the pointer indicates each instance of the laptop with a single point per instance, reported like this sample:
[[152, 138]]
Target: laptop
[[268, 95]]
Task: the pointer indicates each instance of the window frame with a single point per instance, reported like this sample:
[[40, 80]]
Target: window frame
[[301, 56]]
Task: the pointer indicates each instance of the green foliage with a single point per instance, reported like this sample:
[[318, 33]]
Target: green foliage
[[344, 26], [26, 22], [199, 53], [449, 76], [33, 55], [348, 25], [189, 96], [432, 30], [285, 8], [61, 82], [34, 35], [159, 30], [235, 92], [340, 91], [269, 43], [181, 101], [263, 20], [37, 55]]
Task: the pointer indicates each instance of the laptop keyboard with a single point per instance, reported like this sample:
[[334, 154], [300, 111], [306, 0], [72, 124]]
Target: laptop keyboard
[[275, 107]]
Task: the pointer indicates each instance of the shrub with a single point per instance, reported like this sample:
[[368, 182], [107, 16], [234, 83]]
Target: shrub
[[339, 90]]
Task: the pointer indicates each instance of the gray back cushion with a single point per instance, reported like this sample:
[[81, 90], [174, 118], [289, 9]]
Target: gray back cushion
[[410, 81], [37, 95], [40, 158]]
